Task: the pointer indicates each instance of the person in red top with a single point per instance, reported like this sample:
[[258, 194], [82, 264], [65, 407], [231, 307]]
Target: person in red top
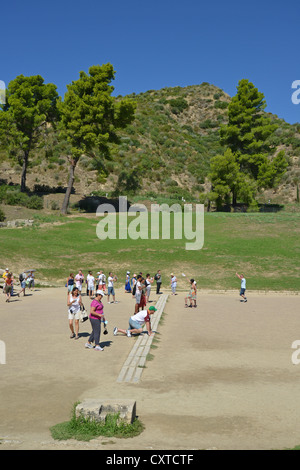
[[8, 286], [96, 316]]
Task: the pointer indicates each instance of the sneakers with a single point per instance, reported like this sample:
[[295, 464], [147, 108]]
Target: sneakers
[[115, 330], [128, 333], [88, 346], [245, 300], [98, 348]]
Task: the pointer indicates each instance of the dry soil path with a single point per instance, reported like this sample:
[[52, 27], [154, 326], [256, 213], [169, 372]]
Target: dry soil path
[[221, 377]]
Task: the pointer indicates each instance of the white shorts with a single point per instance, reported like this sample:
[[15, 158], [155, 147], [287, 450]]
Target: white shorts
[[74, 316]]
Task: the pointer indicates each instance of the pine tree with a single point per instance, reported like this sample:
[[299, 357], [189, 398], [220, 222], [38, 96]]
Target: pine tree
[[246, 135]]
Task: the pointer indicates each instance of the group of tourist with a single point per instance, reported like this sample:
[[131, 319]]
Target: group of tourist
[[93, 284], [137, 285], [26, 280]]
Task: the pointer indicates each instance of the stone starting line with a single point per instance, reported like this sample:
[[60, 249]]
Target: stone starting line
[[133, 366]]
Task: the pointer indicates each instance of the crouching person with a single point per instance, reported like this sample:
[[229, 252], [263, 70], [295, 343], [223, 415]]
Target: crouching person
[[137, 322]]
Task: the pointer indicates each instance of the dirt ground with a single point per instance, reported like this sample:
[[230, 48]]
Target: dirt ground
[[221, 377]]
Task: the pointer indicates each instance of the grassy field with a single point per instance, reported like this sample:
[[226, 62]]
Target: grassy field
[[265, 247]]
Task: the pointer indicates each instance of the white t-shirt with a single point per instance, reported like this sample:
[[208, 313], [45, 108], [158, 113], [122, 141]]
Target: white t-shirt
[[138, 291], [101, 279], [141, 317], [110, 281], [90, 280], [243, 283], [174, 281], [76, 305]]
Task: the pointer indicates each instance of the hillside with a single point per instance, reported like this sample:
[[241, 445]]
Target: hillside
[[167, 150]]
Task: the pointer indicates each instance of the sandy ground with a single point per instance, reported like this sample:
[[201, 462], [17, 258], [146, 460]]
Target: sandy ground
[[222, 376]]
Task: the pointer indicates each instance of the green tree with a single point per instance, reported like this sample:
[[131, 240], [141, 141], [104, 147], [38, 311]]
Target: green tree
[[30, 106], [246, 135], [90, 117]]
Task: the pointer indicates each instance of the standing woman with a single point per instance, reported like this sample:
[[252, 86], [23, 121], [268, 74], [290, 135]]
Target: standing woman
[[127, 283], [149, 281], [70, 283], [96, 316], [74, 304]]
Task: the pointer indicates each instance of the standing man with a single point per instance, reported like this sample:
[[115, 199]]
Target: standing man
[[243, 286], [157, 277], [110, 288]]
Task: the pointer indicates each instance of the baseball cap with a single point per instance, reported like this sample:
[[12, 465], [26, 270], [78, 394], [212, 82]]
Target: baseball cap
[[153, 308], [100, 292]]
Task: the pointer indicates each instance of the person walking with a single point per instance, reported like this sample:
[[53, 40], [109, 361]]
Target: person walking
[[192, 295], [22, 279], [74, 304], [158, 280], [30, 281], [243, 286], [137, 322], [8, 286], [96, 316]]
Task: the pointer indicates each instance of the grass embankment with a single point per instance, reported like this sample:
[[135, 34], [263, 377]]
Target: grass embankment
[[265, 247]]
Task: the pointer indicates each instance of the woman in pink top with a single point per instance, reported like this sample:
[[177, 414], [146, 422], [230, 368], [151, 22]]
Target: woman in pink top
[[96, 316]]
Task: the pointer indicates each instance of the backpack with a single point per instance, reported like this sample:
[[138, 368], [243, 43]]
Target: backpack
[[21, 277]]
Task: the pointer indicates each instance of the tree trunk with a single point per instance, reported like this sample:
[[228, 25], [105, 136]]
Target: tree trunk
[[65, 205], [234, 198], [24, 171]]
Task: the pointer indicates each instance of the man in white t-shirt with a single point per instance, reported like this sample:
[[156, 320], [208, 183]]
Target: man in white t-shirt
[[243, 286], [110, 288], [137, 322], [90, 284], [138, 292]]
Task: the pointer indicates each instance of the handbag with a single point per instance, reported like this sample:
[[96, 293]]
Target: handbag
[[83, 314]]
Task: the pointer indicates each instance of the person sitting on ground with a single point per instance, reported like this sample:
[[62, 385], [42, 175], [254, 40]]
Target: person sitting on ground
[[137, 322]]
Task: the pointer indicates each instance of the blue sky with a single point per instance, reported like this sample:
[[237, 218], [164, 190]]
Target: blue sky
[[158, 44]]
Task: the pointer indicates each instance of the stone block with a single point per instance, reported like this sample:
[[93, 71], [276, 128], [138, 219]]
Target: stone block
[[97, 409]]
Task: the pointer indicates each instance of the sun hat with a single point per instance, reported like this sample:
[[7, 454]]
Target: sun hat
[[100, 292], [152, 308]]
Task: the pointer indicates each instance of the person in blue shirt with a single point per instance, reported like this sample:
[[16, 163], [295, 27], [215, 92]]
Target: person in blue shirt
[[243, 286]]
